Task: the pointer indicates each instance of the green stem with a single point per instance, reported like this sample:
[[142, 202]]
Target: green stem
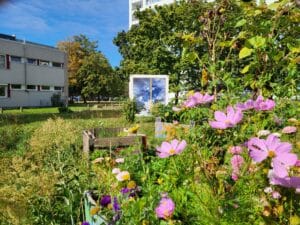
[[173, 161]]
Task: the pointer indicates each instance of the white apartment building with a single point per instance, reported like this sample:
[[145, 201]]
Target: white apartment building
[[143, 4], [30, 73]]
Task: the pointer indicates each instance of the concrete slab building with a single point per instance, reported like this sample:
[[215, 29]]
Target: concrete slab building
[[30, 73]]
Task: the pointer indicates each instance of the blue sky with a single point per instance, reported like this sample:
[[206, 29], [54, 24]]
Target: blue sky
[[50, 21]]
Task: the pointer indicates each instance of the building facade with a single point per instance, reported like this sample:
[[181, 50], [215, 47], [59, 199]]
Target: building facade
[[30, 73], [143, 4]]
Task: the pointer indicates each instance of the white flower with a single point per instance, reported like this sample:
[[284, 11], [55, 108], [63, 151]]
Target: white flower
[[98, 160], [116, 171], [120, 160], [263, 133], [276, 134], [268, 190], [124, 175]]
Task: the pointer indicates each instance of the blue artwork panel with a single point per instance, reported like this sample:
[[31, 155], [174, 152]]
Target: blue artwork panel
[[141, 92], [158, 90]]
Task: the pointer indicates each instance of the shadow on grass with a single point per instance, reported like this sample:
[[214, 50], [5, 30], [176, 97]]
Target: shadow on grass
[[6, 119]]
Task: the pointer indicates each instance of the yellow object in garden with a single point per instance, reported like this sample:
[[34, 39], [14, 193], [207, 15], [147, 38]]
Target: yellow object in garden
[[190, 93], [131, 184], [94, 210], [295, 220], [134, 129]]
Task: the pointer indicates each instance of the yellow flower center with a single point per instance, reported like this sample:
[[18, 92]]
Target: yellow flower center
[[227, 122], [172, 151], [131, 185], [271, 154], [126, 176]]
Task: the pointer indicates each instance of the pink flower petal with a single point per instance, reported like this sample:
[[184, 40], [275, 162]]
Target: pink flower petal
[[279, 169], [288, 159], [217, 125], [220, 116], [181, 147]]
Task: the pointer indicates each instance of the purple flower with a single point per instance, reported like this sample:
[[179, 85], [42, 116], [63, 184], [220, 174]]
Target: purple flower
[[289, 182], [165, 209], [234, 176], [125, 190], [249, 104], [263, 105], [236, 162], [259, 104], [235, 150], [197, 98], [116, 205], [276, 195], [105, 200], [224, 121], [85, 223], [272, 147], [170, 148], [289, 130]]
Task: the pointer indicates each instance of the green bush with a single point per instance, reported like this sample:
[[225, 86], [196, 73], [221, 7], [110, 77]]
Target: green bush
[[129, 110]]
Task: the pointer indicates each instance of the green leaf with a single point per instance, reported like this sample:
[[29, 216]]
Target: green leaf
[[245, 69], [293, 49], [257, 42], [245, 52], [273, 6], [240, 23]]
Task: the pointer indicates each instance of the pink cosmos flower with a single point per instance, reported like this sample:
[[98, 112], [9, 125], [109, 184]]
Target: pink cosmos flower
[[289, 182], [170, 148], [197, 98], [272, 147], [235, 150], [289, 130], [249, 104], [276, 195], [259, 104], [116, 170], [263, 105], [224, 121], [165, 209]]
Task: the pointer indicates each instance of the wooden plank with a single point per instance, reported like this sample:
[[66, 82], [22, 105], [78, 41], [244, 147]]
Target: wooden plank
[[121, 141], [86, 142], [116, 141]]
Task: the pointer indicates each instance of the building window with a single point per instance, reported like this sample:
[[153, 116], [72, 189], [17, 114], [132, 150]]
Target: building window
[[44, 63], [45, 88], [2, 61], [32, 61], [3, 91], [58, 65], [58, 88], [31, 87], [16, 86], [16, 59]]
